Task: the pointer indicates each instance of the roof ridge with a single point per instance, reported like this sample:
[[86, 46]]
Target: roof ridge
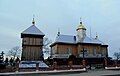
[[67, 35]]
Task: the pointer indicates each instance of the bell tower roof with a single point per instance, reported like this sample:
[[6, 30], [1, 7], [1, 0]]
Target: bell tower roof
[[32, 30]]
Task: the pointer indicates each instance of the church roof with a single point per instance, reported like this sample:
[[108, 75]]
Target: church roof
[[92, 40], [70, 39], [33, 30], [65, 39], [73, 40]]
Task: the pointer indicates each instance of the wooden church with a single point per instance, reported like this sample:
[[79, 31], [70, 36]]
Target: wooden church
[[78, 47], [32, 43]]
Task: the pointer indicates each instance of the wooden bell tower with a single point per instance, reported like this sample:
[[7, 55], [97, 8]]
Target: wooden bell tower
[[32, 43]]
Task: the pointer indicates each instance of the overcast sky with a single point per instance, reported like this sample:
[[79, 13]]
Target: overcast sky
[[103, 16]]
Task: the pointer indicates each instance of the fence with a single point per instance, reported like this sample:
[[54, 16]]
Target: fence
[[51, 68], [112, 63]]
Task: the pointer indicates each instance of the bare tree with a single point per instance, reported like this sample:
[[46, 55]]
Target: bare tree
[[14, 52], [46, 43], [117, 55]]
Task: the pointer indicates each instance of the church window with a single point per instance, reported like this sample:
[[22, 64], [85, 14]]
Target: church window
[[94, 51], [102, 52], [86, 51], [67, 50]]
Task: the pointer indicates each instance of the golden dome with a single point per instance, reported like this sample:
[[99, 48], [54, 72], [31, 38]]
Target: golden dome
[[81, 26]]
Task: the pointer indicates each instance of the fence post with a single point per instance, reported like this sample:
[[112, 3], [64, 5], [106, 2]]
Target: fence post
[[70, 64], [17, 67], [115, 62], [84, 64], [105, 62], [55, 65], [37, 66]]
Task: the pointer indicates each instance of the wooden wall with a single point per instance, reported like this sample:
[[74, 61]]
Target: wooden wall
[[32, 48], [77, 49], [63, 49]]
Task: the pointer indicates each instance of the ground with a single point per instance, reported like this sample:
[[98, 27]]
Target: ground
[[101, 72], [94, 73]]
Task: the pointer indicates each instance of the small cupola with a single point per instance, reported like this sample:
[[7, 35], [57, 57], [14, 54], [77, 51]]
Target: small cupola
[[81, 26], [81, 31]]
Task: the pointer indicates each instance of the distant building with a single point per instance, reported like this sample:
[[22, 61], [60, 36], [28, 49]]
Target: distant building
[[32, 43], [75, 48]]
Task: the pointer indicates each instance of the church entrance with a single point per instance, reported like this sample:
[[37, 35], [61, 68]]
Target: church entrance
[[73, 59]]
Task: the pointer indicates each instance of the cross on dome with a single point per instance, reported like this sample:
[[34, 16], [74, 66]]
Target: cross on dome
[[80, 20], [33, 22]]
